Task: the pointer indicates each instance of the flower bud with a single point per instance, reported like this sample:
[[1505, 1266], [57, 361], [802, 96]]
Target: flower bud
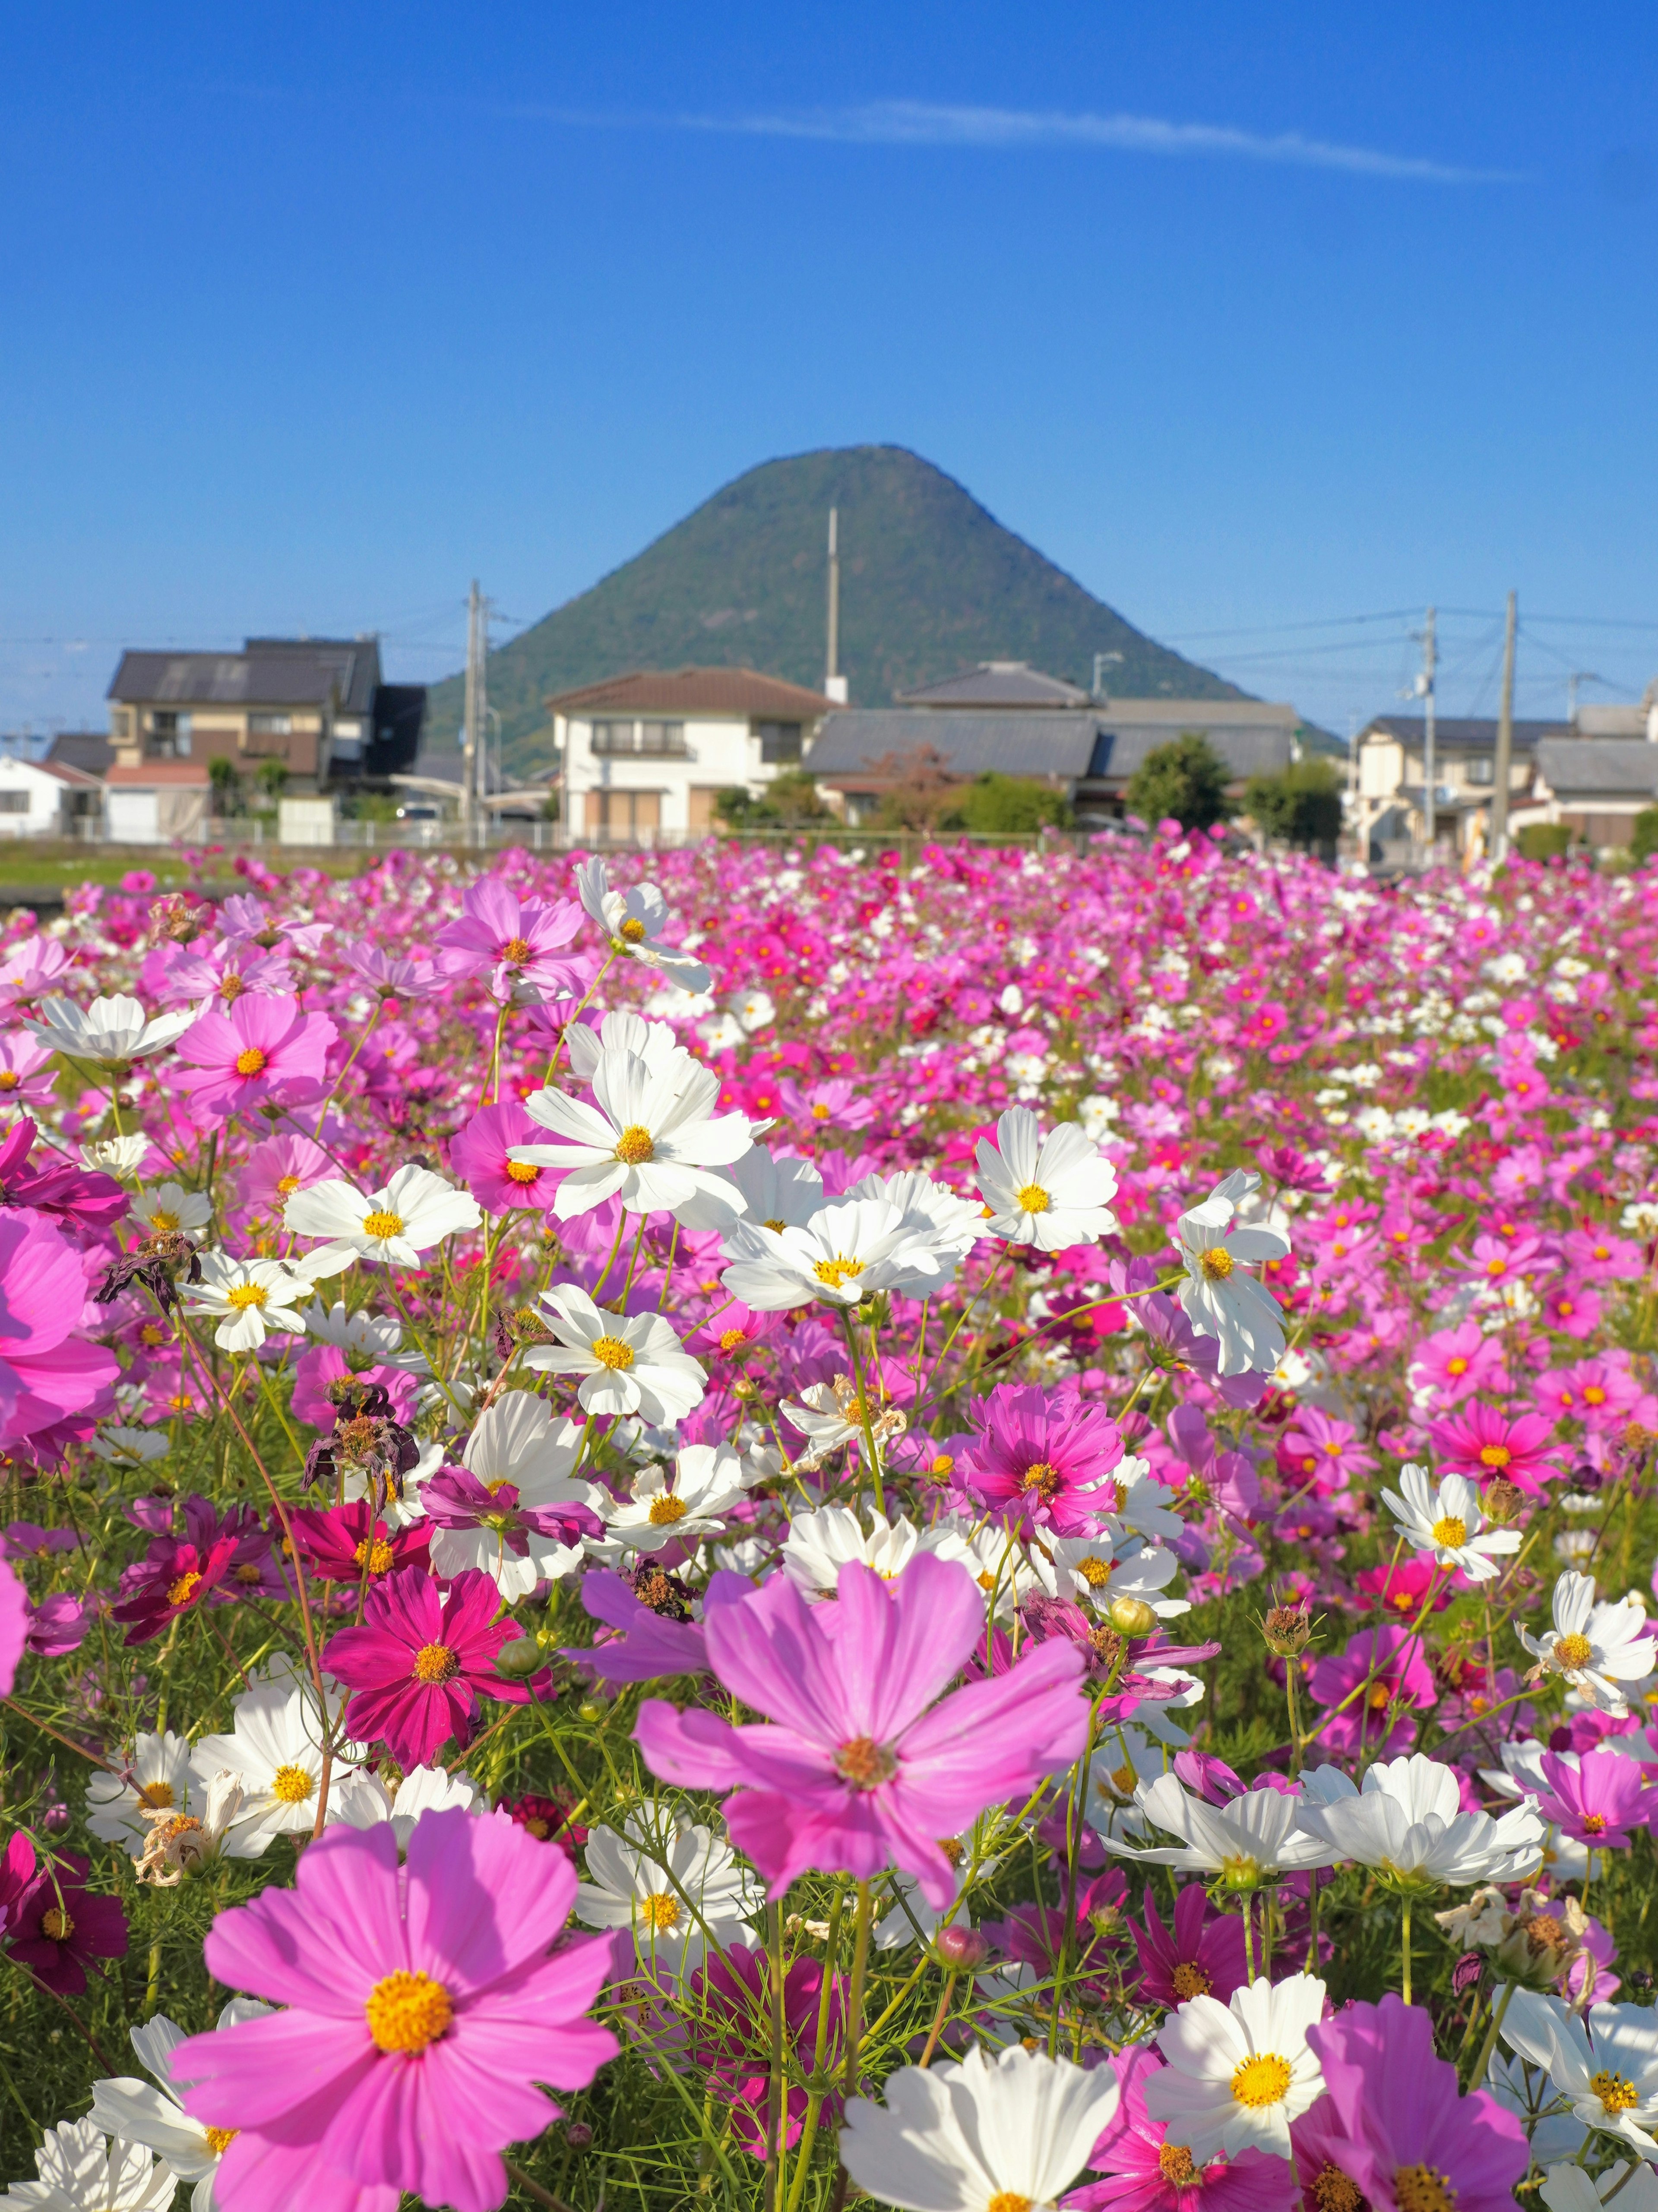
[[1502, 1501], [1288, 1630], [1131, 1616], [578, 2135], [590, 1712], [518, 1662], [961, 1949]]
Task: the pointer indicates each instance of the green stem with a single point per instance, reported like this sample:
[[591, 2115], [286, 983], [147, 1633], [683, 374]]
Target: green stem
[[1405, 1945], [1490, 2044]]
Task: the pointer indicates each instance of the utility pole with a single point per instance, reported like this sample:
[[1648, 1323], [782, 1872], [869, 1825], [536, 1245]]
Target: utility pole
[[1429, 759], [1578, 675], [832, 687], [475, 737], [1500, 770]]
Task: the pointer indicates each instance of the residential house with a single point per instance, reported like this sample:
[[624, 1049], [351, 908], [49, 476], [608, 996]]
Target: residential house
[[1389, 816], [45, 798], [1595, 785], [1006, 717], [646, 755]]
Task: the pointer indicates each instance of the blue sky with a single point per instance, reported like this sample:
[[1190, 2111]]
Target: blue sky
[[1252, 317]]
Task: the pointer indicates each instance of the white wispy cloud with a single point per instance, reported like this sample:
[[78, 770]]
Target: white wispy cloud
[[927, 122]]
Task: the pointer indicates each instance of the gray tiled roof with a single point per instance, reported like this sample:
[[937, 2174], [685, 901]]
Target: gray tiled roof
[[1455, 734], [996, 683], [1610, 767], [1076, 745], [269, 672]]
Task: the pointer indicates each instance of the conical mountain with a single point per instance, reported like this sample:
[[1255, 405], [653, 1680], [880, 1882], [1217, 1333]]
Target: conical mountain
[[930, 582]]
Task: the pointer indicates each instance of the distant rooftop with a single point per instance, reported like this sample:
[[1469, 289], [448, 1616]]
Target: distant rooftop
[[738, 691], [996, 683], [1605, 768], [269, 671], [1461, 733]]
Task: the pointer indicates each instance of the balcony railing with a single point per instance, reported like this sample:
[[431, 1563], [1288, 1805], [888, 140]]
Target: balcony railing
[[625, 745]]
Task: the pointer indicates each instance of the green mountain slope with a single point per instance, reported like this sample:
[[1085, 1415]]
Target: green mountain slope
[[929, 583]]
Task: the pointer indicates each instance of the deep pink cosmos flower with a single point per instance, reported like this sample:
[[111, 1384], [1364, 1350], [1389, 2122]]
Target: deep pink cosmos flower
[[1140, 2169], [1572, 1308], [76, 1197], [1401, 1587], [13, 1625], [479, 1156], [496, 935], [261, 1049], [869, 1763], [1457, 1362], [1392, 2120], [1318, 1452], [420, 2011], [174, 1578], [1484, 1441], [1598, 1801], [728, 2003], [340, 1541], [1201, 1955], [46, 1372], [57, 1924], [1592, 1391], [1042, 1456], [418, 1664], [1381, 1668]]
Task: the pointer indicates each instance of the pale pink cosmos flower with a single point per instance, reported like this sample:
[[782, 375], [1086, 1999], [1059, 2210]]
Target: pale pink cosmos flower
[[869, 1763], [513, 943], [418, 2014], [28, 1076], [262, 1048]]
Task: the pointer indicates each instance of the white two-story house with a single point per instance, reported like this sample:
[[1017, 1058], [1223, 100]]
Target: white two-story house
[[645, 756]]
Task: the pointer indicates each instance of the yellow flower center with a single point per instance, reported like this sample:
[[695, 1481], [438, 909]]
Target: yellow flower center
[[517, 950], [376, 1557], [659, 1911], [56, 1927], [243, 1295], [1175, 2164], [942, 1464], [9, 1078], [837, 1271], [732, 1339], [286, 1187], [435, 1663], [1033, 1198], [156, 1795], [612, 1352], [219, 2140], [1190, 1980], [778, 1226], [180, 1592], [1041, 1477], [1615, 2090], [634, 1146], [1595, 1824], [1336, 2192], [1095, 1572], [521, 1171], [1457, 1366], [408, 2011], [819, 1112], [382, 1224], [1217, 1263], [1423, 2189], [1261, 2081], [632, 931], [1573, 1651], [1450, 1530], [1123, 1779], [666, 1510], [1495, 1456], [1008, 2200], [162, 1221], [292, 1785], [865, 1762], [250, 1062]]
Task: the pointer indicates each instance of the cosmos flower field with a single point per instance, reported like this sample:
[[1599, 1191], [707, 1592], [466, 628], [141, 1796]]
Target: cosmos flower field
[[761, 1526]]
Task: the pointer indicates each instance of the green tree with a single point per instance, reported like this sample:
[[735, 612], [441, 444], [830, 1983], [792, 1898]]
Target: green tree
[[1301, 804], [787, 799], [225, 785], [1547, 841], [995, 805], [271, 780], [1643, 836], [1185, 781]]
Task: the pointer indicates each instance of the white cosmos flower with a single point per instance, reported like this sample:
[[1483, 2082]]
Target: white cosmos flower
[[1596, 1647], [1143, 1503], [628, 1362], [275, 1751], [142, 2113], [1408, 1824], [1155, 1713], [1238, 2073], [820, 1544], [1446, 1520], [773, 1192], [168, 1206], [132, 1447], [649, 1137], [80, 2171], [155, 1776], [1250, 1840], [121, 1157], [944, 1222], [633, 921], [375, 1339], [654, 1042], [1093, 1569], [249, 1297], [669, 1881], [1127, 1757], [110, 1031], [1218, 1299], [707, 1481], [1053, 1191], [843, 1254], [361, 1800], [1014, 2129], [1567, 2188], [996, 1561], [517, 1441], [1526, 2091], [1607, 2067], [415, 1210]]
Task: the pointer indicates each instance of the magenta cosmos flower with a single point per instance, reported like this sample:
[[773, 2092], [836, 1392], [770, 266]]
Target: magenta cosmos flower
[[480, 1157], [1140, 2168], [1381, 1667], [1202, 1955], [57, 1924], [419, 1663], [274, 1170], [418, 2015], [1392, 2125], [13, 1625], [496, 935], [260, 1048], [1318, 1452], [1044, 1457], [869, 1763], [1484, 1441], [45, 1370], [173, 1578], [1598, 1801]]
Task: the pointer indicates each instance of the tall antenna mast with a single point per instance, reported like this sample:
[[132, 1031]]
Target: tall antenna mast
[[833, 686]]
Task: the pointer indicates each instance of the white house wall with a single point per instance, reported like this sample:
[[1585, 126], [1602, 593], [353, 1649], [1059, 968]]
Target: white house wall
[[718, 755], [42, 815]]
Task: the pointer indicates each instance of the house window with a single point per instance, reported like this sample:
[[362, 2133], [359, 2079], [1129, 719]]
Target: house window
[[661, 737], [271, 725], [169, 735], [1481, 771], [779, 741], [613, 736], [14, 802]]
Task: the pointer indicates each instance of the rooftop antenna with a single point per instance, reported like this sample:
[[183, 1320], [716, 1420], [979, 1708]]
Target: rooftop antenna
[[1578, 675], [834, 684], [1102, 661]]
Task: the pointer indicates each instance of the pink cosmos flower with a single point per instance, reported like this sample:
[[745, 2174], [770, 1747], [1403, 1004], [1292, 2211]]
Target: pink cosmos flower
[[1393, 2114], [1592, 1391], [1139, 2168], [1201, 1955], [174, 1578], [46, 1372], [28, 1076], [13, 1625], [76, 1197], [222, 969], [513, 943], [480, 1157], [1573, 1309], [262, 1048], [1384, 1667], [1457, 1362], [394, 978], [419, 1664], [868, 1762], [1598, 1801], [420, 2010], [31, 967], [1484, 1441], [1042, 1456], [274, 1170], [57, 1924], [1318, 1451], [339, 1542], [834, 1104], [1603, 1255], [1401, 1588]]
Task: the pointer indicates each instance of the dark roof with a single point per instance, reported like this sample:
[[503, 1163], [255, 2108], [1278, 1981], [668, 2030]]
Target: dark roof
[[269, 671], [694, 691], [1460, 733], [1075, 744], [356, 661], [92, 750], [1610, 767], [996, 683]]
